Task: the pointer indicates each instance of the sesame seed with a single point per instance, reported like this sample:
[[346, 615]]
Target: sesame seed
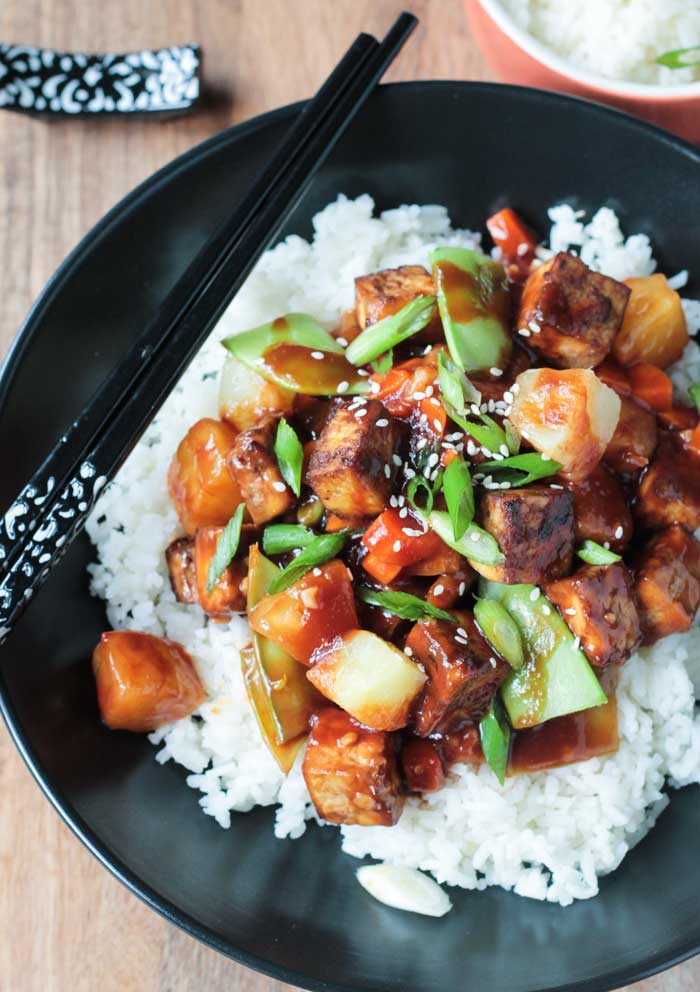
[[423, 418], [396, 459], [435, 401], [555, 485], [505, 485], [619, 531], [396, 546], [491, 406], [523, 332], [535, 594], [318, 355], [363, 372], [279, 486], [438, 590], [522, 248], [606, 545], [493, 662], [426, 472], [393, 501], [534, 327], [508, 396], [433, 459], [462, 631], [460, 640], [374, 386], [343, 386], [428, 350], [478, 476], [418, 395], [474, 536], [382, 422], [498, 457], [577, 643], [471, 448], [546, 609], [484, 408], [504, 450], [408, 651], [570, 611], [342, 341], [402, 500], [412, 532], [403, 512], [545, 458], [515, 388], [475, 409], [496, 371], [421, 443], [409, 472], [429, 391], [387, 471], [462, 588], [453, 437], [317, 571]]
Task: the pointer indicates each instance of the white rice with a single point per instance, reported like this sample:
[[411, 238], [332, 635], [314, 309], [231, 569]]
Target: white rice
[[547, 835], [619, 39]]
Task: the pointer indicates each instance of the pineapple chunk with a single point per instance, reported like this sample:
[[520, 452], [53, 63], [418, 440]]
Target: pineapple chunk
[[369, 678], [568, 415], [654, 328], [245, 397]]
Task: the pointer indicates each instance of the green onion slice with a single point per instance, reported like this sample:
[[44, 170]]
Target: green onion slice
[[317, 552], [596, 554], [416, 483], [694, 393], [500, 630], [403, 604], [384, 362], [280, 538], [387, 333], [475, 543], [226, 548], [290, 455], [459, 495], [521, 470], [680, 58], [495, 734]]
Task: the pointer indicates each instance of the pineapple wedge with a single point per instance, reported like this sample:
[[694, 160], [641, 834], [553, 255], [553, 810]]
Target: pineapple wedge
[[369, 678]]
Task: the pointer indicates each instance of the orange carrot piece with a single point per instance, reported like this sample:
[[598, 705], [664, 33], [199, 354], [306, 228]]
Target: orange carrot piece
[[651, 386], [510, 234]]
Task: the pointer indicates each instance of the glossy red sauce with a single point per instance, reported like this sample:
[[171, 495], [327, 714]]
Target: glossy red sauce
[[293, 364]]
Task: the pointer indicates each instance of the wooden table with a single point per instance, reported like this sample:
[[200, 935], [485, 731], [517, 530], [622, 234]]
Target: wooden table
[[65, 923]]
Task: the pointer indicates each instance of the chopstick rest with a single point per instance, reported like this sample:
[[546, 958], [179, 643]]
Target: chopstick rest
[[42, 81]]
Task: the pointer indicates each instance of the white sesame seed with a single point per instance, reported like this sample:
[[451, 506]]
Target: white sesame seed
[[408, 651], [462, 631], [606, 545], [363, 372], [317, 571], [393, 501], [453, 437], [409, 472], [412, 532], [491, 406], [396, 459], [534, 327], [428, 350], [374, 386], [343, 386], [387, 471], [577, 643], [505, 485], [555, 485], [496, 371], [523, 332], [570, 611], [474, 536], [318, 355], [462, 588], [493, 662], [421, 443], [418, 395], [522, 248], [429, 391], [471, 447], [515, 388], [279, 486], [504, 450], [475, 409], [433, 459], [435, 401], [424, 418], [546, 609], [362, 412], [439, 589], [402, 500], [403, 512], [382, 422], [342, 341], [498, 457], [396, 546], [619, 531], [535, 594], [484, 408], [508, 396], [426, 472], [460, 640]]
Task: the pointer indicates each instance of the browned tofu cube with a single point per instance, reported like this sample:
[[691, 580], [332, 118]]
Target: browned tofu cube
[[179, 556], [228, 595], [352, 773], [634, 440], [571, 314], [348, 327], [463, 671], [351, 468], [669, 492], [668, 583], [597, 603], [534, 528], [253, 465], [380, 294], [601, 510]]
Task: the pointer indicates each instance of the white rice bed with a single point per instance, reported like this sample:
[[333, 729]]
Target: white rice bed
[[546, 835]]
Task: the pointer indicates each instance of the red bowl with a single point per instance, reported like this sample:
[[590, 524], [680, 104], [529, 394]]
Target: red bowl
[[517, 57]]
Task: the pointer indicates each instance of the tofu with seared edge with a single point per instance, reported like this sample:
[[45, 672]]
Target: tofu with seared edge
[[253, 465], [668, 583], [569, 314], [597, 604], [634, 440], [669, 491], [352, 772], [380, 294], [534, 528], [179, 557], [351, 468]]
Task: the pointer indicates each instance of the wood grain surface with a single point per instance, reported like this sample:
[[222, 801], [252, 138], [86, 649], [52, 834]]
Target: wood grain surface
[[65, 924]]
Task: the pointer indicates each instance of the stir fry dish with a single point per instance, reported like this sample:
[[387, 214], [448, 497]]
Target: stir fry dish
[[449, 520]]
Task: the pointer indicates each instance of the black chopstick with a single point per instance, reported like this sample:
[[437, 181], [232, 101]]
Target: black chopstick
[[54, 505]]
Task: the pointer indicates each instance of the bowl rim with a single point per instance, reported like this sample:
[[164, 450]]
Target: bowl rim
[[650, 965], [552, 60]]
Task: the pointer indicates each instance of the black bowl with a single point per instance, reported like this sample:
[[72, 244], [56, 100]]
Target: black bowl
[[293, 909]]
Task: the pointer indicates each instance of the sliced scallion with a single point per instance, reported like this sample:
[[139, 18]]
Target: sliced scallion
[[392, 330], [226, 548], [403, 604], [500, 630], [596, 554]]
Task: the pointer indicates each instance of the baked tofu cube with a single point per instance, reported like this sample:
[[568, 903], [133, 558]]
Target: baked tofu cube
[[669, 492], [380, 294], [179, 556], [463, 672], [351, 772], [569, 416], [199, 482], [369, 678], [534, 528], [668, 583], [348, 469], [597, 604], [228, 596], [601, 510], [634, 440], [144, 682], [310, 613], [254, 467], [422, 766], [570, 313]]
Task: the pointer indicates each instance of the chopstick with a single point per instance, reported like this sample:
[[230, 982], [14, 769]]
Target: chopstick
[[53, 506]]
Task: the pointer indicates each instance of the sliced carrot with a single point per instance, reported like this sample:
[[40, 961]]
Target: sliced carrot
[[383, 571], [510, 234], [436, 417], [386, 538], [612, 374], [651, 386]]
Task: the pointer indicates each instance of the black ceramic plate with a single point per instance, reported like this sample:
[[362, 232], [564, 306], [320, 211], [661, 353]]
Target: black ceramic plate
[[293, 908]]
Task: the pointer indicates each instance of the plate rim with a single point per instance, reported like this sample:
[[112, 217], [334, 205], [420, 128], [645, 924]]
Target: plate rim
[[648, 966]]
